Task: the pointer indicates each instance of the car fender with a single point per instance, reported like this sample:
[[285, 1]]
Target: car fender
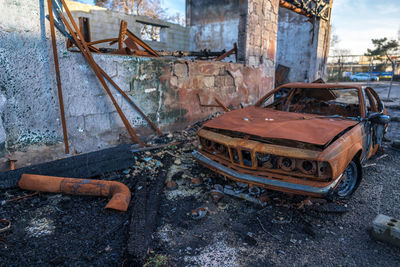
[[343, 150]]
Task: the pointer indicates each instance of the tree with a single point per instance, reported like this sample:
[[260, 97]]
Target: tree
[[335, 40], [383, 49], [149, 8]]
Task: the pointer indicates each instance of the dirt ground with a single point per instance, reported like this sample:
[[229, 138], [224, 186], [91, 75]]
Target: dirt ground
[[65, 230]]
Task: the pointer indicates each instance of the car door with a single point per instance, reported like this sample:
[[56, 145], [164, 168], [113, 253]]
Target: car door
[[376, 131]]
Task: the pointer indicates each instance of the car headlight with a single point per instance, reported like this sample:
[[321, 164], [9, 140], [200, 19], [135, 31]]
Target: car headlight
[[286, 164], [264, 160], [307, 166]]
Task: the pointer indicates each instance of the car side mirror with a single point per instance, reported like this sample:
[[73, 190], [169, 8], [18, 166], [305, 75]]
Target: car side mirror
[[379, 118]]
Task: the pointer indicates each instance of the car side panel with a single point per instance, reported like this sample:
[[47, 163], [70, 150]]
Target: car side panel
[[344, 149]]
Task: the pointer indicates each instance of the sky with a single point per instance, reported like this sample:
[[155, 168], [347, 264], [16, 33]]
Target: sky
[[356, 22]]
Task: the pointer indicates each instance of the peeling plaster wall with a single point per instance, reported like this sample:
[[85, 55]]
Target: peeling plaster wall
[[165, 89], [295, 55], [214, 25], [302, 46]]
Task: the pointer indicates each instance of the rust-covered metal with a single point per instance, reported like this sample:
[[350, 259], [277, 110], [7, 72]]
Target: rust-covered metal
[[234, 50], [309, 8], [282, 147], [269, 123], [58, 78], [119, 193], [84, 26]]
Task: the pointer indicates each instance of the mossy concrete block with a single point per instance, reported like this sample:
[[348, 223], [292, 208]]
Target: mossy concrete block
[[386, 229]]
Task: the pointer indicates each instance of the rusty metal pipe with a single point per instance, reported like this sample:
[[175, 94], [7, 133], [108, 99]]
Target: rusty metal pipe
[[120, 193], [58, 78]]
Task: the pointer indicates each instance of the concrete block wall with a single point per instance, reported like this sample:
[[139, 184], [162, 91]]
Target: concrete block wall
[[106, 24]]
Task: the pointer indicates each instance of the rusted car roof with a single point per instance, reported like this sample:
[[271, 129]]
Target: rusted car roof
[[269, 123]]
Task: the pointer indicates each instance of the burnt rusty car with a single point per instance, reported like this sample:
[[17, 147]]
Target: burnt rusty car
[[301, 138]]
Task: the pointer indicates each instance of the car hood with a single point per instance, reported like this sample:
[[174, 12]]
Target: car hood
[[270, 123]]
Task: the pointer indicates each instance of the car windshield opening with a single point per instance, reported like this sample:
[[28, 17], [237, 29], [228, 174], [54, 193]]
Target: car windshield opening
[[341, 103]]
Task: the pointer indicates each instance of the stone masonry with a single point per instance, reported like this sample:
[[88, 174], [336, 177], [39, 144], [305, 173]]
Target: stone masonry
[[260, 48]]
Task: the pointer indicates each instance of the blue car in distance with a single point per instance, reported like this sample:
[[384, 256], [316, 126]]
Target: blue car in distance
[[363, 77]]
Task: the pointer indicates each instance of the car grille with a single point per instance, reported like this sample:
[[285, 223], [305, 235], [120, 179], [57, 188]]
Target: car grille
[[264, 162]]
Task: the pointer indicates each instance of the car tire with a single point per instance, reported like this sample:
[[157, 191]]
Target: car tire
[[350, 180], [372, 80], [355, 80]]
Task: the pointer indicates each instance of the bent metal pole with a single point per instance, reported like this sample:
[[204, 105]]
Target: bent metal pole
[[57, 68]]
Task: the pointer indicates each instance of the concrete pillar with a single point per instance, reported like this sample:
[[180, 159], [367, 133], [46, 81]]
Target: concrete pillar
[[257, 37]]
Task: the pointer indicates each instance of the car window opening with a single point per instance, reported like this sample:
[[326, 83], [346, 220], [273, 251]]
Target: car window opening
[[336, 103]]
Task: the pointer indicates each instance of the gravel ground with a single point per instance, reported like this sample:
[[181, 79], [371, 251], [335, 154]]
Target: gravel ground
[[55, 229]]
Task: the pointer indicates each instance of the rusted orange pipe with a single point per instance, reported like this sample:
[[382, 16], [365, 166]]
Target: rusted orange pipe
[[121, 195]]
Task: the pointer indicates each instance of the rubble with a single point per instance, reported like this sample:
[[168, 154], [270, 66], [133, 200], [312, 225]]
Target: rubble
[[386, 229]]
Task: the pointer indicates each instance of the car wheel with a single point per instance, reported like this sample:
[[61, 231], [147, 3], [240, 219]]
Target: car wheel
[[350, 180], [354, 80], [372, 79]]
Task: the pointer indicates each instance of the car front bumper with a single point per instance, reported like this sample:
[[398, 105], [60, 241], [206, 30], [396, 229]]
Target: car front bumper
[[266, 182]]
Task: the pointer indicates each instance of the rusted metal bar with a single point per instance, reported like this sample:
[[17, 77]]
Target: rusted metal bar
[[141, 43], [122, 33], [103, 41], [119, 192], [11, 162], [22, 197], [236, 51], [222, 104], [84, 26], [58, 79], [6, 228], [131, 44], [227, 54], [94, 49], [86, 52]]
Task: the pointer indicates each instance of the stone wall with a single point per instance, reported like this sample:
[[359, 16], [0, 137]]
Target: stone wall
[[260, 46], [165, 89]]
